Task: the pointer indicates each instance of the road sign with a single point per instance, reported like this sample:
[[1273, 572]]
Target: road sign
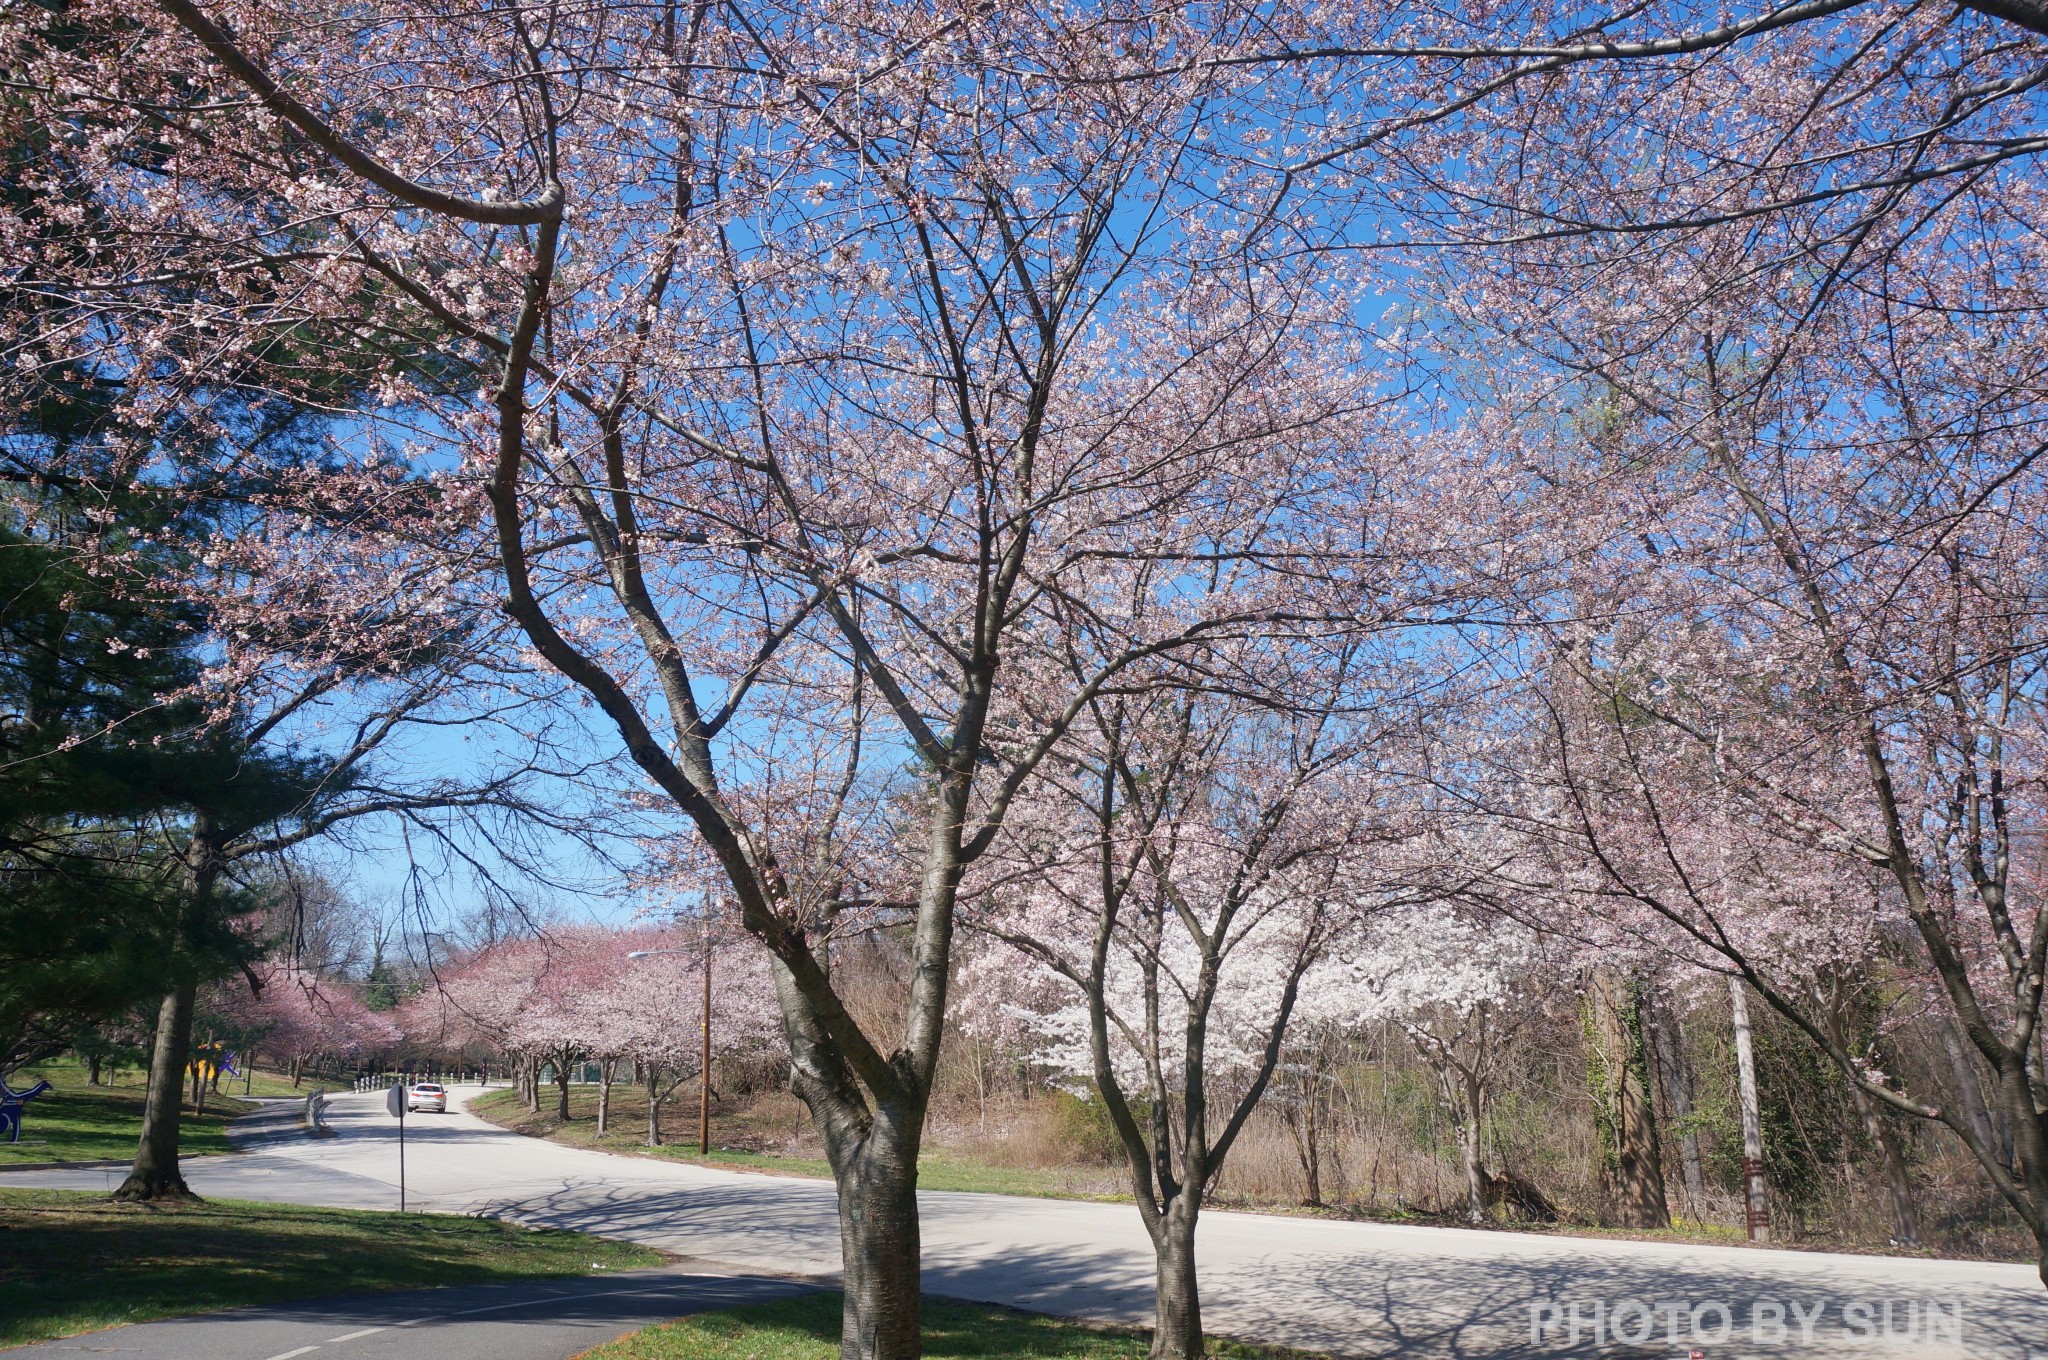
[[394, 1104]]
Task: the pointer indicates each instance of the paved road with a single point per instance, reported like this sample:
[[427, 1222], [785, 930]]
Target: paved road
[[552, 1320], [1355, 1289]]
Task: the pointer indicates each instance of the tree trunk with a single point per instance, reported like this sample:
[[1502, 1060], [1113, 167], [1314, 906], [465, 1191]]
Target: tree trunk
[[562, 1090], [2030, 1151], [1677, 1072], [1475, 1171], [653, 1108], [981, 1082], [1301, 1125], [1898, 1184], [92, 1070], [155, 1174], [1976, 1109], [1177, 1297], [879, 1243], [604, 1096], [1619, 1065]]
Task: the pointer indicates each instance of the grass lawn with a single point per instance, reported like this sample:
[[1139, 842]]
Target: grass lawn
[[79, 1123], [74, 1261], [807, 1328], [262, 1083], [937, 1168]]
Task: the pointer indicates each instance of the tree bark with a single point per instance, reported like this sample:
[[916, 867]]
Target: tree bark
[[1669, 1037], [155, 1173], [1976, 1109], [604, 1096], [1302, 1125], [2030, 1146], [1634, 1166], [880, 1244], [92, 1070], [1898, 1184], [653, 1107], [1177, 1299], [1475, 1170]]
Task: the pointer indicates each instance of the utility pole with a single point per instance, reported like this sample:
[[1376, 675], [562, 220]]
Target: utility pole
[[1755, 1194]]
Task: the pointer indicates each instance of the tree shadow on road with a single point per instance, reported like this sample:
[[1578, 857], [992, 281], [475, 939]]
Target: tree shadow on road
[[1374, 1301]]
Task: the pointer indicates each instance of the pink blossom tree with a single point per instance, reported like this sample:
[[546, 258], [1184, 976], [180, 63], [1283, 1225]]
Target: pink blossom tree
[[773, 385], [1461, 985], [312, 1018], [1187, 865], [653, 1013]]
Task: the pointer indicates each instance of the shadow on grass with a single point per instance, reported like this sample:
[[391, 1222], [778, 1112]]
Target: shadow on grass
[[73, 1261], [76, 1122]]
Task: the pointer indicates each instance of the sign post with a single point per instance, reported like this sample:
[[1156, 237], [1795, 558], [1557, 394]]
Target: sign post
[[394, 1103]]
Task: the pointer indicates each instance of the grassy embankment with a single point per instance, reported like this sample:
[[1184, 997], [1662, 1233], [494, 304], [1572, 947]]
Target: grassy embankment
[[74, 1261], [807, 1328], [740, 1142]]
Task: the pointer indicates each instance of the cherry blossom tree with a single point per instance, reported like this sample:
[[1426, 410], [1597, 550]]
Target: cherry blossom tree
[[1549, 142], [1187, 866], [653, 1009], [532, 998], [1778, 380], [308, 1018], [1863, 818], [781, 360], [581, 992], [1461, 985]]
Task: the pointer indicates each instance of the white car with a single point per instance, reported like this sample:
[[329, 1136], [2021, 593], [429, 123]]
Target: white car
[[427, 1096]]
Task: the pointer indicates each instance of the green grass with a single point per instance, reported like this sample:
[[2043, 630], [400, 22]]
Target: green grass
[[79, 1123], [74, 1261], [807, 1328], [262, 1083]]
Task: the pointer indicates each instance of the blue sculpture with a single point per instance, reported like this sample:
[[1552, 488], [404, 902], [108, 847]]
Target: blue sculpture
[[11, 1103]]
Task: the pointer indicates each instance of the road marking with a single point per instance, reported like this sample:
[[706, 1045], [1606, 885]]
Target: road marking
[[350, 1336], [540, 1302], [574, 1294], [287, 1355]]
